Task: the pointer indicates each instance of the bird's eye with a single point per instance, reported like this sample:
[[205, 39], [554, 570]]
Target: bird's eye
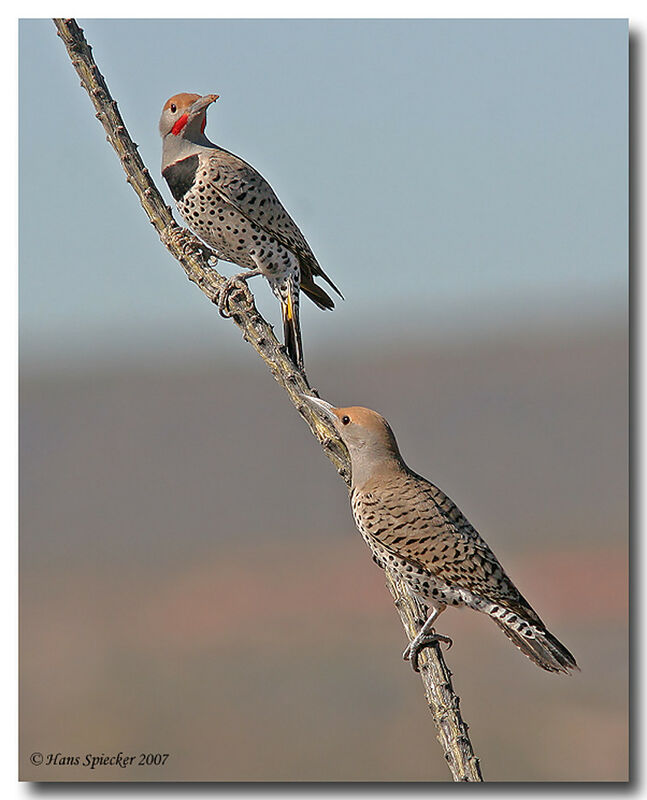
[[173, 108], [345, 420]]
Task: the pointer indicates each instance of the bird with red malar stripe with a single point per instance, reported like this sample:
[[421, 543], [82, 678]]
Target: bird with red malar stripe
[[235, 211]]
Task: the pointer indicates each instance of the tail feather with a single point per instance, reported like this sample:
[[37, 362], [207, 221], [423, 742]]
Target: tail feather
[[310, 269], [537, 643], [323, 275], [291, 326], [318, 295]]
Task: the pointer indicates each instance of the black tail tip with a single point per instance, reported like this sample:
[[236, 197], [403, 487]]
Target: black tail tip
[[292, 339]]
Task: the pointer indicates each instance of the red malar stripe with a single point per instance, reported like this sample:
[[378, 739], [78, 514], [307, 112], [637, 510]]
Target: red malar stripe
[[175, 130]]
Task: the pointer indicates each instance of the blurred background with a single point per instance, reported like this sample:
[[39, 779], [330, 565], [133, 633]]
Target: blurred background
[[465, 184]]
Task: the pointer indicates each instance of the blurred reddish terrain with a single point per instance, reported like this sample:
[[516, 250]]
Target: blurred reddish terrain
[[192, 582]]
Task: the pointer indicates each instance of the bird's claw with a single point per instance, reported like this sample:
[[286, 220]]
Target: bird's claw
[[237, 282], [414, 648]]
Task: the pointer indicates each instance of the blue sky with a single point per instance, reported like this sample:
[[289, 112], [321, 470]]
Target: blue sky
[[451, 176]]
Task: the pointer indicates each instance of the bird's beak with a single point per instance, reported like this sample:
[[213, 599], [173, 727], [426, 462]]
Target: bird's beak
[[201, 104], [316, 402]]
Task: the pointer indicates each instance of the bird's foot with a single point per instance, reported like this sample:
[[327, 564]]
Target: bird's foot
[[237, 283], [422, 640]]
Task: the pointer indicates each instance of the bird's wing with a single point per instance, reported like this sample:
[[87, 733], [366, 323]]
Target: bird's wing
[[420, 523], [240, 185]]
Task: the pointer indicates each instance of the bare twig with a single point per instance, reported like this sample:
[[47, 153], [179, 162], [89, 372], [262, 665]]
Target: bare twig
[[198, 263]]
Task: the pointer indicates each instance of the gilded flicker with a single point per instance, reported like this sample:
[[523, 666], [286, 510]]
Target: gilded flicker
[[234, 210], [416, 531]]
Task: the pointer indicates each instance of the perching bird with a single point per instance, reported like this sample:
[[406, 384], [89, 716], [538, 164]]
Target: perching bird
[[234, 210], [416, 531]]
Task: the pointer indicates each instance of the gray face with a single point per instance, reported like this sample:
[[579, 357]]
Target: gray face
[[167, 121], [354, 435], [174, 110], [185, 114], [367, 435], [182, 127]]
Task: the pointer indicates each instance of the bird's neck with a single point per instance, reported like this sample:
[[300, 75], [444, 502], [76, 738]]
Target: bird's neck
[[176, 148], [365, 468]]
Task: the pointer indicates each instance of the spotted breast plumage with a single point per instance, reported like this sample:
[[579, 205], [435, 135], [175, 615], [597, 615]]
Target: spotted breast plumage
[[416, 531], [234, 210]]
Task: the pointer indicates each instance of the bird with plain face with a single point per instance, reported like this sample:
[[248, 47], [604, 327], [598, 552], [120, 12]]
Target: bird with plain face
[[235, 211], [416, 531]]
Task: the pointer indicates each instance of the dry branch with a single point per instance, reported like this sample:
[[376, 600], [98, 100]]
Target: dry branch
[[198, 263]]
